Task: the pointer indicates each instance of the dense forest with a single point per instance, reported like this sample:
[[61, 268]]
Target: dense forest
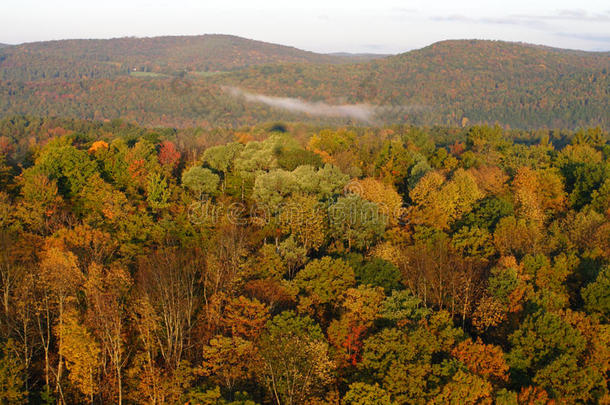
[[182, 82], [104, 58], [294, 264], [95, 58]]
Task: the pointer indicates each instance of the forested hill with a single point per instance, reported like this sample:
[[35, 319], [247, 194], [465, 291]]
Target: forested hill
[[94, 58], [182, 81], [483, 81]]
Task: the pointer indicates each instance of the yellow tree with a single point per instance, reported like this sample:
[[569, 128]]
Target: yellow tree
[[60, 279], [145, 371], [425, 195], [11, 376], [40, 202], [107, 295], [294, 359], [82, 354], [305, 220], [440, 202], [384, 195], [228, 360], [538, 193], [516, 236]]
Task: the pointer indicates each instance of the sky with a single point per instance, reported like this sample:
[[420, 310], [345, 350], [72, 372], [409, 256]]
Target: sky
[[379, 26]]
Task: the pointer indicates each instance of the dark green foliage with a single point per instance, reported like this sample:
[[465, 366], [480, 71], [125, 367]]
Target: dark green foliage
[[379, 273], [292, 158], [487, 212], [70, 167], [582, 179], [501, 283], [546, 350], [597, 294], [542, 338]]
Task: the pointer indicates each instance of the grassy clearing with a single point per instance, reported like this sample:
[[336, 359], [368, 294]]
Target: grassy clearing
[[147, 74]]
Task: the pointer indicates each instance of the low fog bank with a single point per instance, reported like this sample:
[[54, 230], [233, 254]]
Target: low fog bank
[[361, 112]]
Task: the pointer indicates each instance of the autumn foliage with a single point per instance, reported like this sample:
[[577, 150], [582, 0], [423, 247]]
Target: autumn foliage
[[304, 265]]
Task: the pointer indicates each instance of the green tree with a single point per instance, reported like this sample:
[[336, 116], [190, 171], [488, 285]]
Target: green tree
[[271, 189], [70, 167], [200, 180], [597, 294], [487, 212], [158, 192], [546, 350], [473, 241], [324, 183], [379, 273], [465, 388], [356, 221], [323, 284], [290, 159], [222, 157], [407, 361]]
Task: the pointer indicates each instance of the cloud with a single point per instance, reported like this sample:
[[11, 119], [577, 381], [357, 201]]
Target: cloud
[[536, 21], [586, 37], [361, 112], [402, 11], [510, 20], [567, 15]]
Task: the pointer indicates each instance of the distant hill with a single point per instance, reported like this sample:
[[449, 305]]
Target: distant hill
[[182, 81], [102, 58], [4, 45], [483, 81]]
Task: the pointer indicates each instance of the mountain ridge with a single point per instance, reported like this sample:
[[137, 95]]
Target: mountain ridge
[[167, 54], [451, 82]]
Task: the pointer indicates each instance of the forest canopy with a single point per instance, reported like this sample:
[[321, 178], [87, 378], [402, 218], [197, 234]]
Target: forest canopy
[[294, 264]]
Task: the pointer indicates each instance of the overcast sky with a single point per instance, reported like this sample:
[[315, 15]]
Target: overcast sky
[[380, 26]]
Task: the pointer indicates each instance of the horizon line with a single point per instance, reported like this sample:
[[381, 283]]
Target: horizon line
[[301, 49]]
